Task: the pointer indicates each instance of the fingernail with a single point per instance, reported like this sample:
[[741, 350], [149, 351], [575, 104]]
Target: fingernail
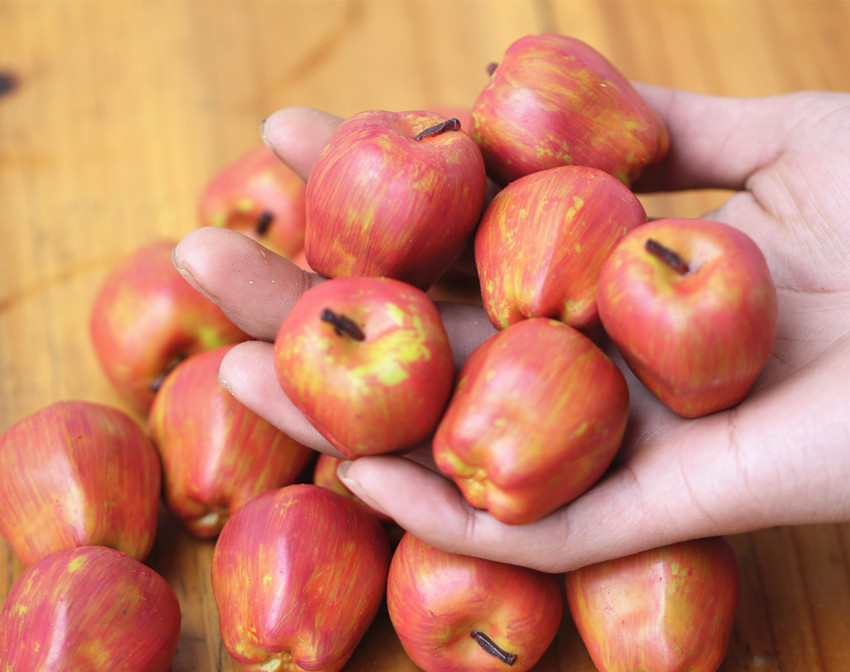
[[355, 487], [179, 263]]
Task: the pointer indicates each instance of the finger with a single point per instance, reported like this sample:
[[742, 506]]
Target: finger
[[247, 371], [727, 473], [254, 287], [297, 134], [715, 142]]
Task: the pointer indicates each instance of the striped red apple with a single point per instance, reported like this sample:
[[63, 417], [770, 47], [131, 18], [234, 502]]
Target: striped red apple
[[78, 473], [216, 453]]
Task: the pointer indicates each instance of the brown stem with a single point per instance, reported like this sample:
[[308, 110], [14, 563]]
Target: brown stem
[[447, 125], [492, 648], [157, 382], [264, 221], [342, 325], [491, 68], [668, 256]]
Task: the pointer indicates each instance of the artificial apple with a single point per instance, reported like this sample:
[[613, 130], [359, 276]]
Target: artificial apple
[[325, 475], [298, 575], [89, 608], [669, 609], [394, 194], [458, 613], [554, 100], [260, 196], [542, 242], [216, 453], [691, 305], [368, 362], [146, 318], [78, 473], [538, 414]]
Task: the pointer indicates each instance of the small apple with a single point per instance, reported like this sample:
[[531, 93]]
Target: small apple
[[298, 575], [89, 608], [78, 473], [542, 242], [368, 362], [260, 196], [394, 194], [554, 100], [692, 307], [538, 414], [216, 453], [458, 613], [146, 318], [669, 609]]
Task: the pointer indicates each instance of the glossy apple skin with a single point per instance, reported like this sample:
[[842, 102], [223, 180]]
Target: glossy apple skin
[[437, 599], [145, 318], [670, 609], [383, 394], [381, 203], [698, 341], [258, 195], [78, 473], [89, 608], [538, 414], [554, 100], [543, 239], [216, 453], [298, 575]]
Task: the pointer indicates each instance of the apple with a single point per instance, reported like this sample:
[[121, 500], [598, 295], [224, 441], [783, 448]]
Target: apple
[[325, 475], [146, 318], [537, 416], [216, 453], [669, 609], [393, 194], [542, 242], [692, 307], [78, 473], [260, 196], [89, 608], [368, 362], [298, 575], [457, 613], [554, 100]]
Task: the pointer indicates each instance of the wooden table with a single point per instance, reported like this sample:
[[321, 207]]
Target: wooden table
[[120, 111]]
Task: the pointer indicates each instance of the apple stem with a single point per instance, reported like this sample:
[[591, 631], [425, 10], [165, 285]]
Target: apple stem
[[264, 221], [342, 325], [447, 125], [157, 382], [668, 256], [491, 68], [492, 648]]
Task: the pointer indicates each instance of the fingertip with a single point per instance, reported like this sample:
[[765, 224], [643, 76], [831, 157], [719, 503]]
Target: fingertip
[[297, 134]]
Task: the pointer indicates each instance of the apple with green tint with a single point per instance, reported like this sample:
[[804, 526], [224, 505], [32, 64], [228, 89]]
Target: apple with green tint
[[368, 362]]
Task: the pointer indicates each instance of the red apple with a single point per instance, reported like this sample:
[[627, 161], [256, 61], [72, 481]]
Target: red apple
[[216, 453], [538, 414], [77, 473], [325, 475], [395, 194], [258, 195], [146, 318], [691, 305], [368, 362], [554, 100], [458, 613], [542, 242], [298, 575], [670, 609], [89, 608]]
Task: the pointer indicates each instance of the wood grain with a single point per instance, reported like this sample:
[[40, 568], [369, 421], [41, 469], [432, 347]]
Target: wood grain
[[120, 111]]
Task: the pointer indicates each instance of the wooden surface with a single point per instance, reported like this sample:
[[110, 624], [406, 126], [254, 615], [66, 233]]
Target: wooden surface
[[122, 110]]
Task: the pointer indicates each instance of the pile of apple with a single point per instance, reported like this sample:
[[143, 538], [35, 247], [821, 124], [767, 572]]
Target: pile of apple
[[538, 188]]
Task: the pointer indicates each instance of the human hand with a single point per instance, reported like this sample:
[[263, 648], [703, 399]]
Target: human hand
[[780, 457]]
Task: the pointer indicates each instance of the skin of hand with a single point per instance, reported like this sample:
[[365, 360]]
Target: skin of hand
[[781, 457]]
